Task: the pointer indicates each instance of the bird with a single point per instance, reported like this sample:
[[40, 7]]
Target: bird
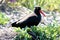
[[30, 20]]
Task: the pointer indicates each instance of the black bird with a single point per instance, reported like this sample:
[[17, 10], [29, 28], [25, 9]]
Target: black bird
[[29, 20]]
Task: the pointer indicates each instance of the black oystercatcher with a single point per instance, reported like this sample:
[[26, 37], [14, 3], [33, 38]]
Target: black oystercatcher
[[30, 20]]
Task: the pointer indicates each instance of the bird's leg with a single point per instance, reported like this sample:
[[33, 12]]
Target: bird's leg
[[32, 34]]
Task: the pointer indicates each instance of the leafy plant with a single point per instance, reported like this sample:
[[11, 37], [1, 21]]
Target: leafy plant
[[22, 35], [48, 32], [3, 18]]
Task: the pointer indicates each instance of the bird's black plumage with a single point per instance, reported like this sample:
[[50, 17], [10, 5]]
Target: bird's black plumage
[[30, 20]]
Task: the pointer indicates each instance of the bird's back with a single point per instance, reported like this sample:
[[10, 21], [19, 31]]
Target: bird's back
[[28, 21]]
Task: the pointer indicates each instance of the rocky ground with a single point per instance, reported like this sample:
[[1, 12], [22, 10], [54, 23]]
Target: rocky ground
[[7, 33]]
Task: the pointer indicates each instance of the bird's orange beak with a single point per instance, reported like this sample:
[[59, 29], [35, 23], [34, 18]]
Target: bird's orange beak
[[42, 13]]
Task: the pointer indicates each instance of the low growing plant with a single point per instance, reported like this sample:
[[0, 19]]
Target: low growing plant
[[3, 18], [43, 33]]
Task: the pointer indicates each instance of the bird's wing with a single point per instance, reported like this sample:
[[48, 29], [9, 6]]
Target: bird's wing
[[25, 18]]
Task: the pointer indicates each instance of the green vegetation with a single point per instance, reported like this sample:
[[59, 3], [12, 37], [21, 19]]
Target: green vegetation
[[3, 18], [49, 32], [23, 35], [51, 5]]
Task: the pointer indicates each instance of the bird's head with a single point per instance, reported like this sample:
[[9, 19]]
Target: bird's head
[[38, 10]]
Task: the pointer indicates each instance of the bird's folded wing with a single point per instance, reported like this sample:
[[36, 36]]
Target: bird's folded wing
[[25, 18]]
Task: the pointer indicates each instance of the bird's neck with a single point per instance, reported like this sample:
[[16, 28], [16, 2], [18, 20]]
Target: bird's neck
[[37, 12]]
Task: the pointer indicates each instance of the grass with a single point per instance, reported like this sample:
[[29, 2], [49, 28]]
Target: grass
[[51, 5]]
